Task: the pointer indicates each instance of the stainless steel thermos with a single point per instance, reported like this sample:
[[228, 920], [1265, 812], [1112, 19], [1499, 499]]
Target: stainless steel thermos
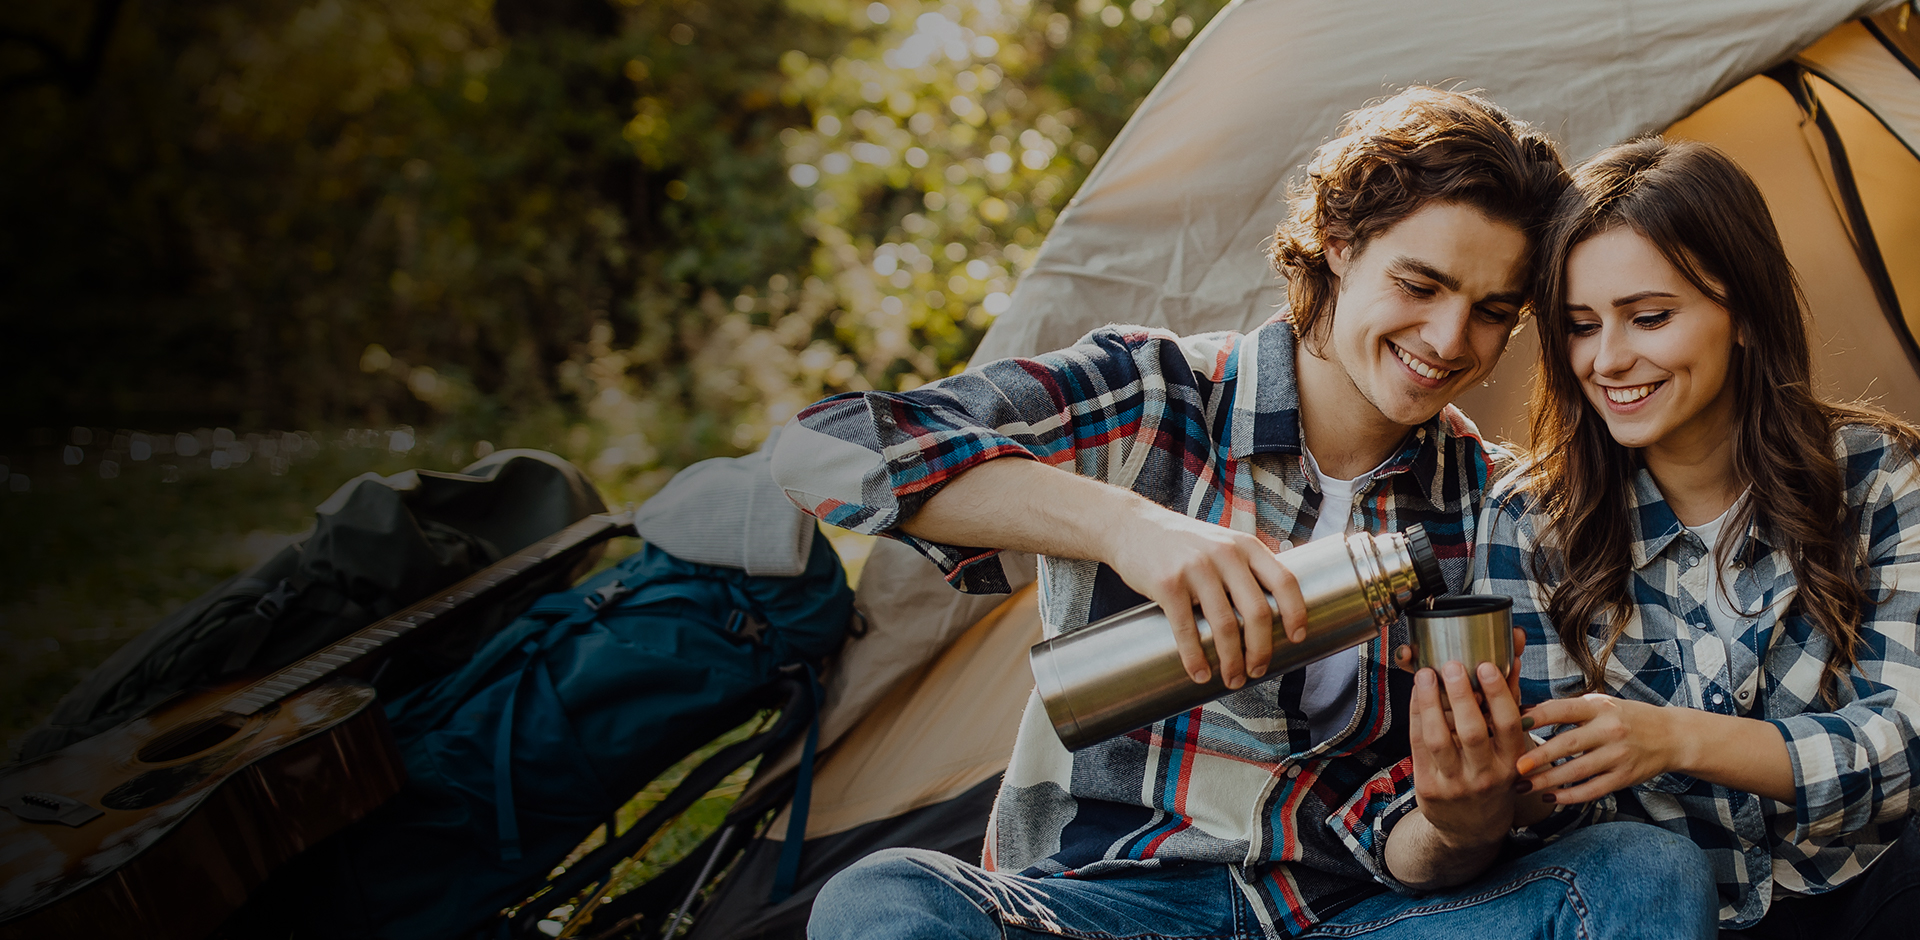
[[1123, 672]]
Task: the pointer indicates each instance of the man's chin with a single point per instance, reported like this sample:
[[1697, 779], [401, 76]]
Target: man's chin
[[1415, 405]]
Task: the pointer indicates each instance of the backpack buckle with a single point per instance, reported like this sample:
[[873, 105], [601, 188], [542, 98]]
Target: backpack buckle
[[273, 603], [606, 594], [745, 625]]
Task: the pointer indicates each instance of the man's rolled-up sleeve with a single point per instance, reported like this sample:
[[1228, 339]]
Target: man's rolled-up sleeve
[[867, 461]]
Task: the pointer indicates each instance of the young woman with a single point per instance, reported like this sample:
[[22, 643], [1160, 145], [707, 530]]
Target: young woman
[[1718, 573]]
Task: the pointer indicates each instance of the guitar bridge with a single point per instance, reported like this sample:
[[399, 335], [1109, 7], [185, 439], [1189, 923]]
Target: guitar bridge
[[51, 807]]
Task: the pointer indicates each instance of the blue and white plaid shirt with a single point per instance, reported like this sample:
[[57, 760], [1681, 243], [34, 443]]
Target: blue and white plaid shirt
[[1852, 764]]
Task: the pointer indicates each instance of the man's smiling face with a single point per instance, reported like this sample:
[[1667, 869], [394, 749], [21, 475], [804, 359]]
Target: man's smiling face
[[1423, 311]]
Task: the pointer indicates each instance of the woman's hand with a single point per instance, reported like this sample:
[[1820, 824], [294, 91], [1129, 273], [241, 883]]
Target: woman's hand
[[1616, 743]]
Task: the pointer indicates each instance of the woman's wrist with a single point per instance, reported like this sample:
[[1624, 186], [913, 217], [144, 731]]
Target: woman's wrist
[[1680, 737]]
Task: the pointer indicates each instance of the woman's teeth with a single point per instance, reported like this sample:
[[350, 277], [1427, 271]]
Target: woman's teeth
[[1421, 368], [1623, 396]]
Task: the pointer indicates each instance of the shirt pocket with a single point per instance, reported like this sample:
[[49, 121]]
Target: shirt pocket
[[1644, 671]]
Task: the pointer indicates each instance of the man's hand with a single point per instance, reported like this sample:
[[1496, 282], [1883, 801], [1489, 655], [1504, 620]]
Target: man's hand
[[1464, 777], [1175, 561], [1181, 563]]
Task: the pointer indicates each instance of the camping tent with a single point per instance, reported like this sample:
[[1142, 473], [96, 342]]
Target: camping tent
[[1822, 107]]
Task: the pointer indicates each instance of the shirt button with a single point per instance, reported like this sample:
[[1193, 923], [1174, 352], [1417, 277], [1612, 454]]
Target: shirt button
[[1745, 694], [1718, 698], [1293, 771]]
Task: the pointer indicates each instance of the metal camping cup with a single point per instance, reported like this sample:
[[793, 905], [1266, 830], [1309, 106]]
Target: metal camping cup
[[1124, 671], [1466, 628]]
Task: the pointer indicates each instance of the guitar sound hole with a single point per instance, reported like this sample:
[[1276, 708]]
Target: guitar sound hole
[[188, 740]]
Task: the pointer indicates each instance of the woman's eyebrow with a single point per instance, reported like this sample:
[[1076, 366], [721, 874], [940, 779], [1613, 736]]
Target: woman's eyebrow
[[1643, 295]]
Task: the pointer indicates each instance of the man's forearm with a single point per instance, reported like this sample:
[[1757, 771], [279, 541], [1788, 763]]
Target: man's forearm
[[1024, 505], [1421, 858]]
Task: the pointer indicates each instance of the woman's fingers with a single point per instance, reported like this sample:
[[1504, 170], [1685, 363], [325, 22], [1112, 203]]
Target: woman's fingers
[[1566, 744], [1469, 726], [1403, 658], [1562, 711], [1582, 780]]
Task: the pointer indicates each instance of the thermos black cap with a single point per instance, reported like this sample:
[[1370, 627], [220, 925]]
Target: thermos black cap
[[1426, 565]]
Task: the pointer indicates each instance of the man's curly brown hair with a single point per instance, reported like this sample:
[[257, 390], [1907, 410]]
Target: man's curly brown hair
[[1392, 158]]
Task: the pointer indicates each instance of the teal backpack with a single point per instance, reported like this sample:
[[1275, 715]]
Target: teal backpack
[[555, 723]]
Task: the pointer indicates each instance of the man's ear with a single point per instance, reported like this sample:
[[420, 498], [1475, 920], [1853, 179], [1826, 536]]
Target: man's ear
[[1339, 253]]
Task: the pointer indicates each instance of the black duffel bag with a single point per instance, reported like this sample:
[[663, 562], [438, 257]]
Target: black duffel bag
[[378, 544]]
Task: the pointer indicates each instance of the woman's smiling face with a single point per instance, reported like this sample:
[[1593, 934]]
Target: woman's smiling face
[[1652, 352]]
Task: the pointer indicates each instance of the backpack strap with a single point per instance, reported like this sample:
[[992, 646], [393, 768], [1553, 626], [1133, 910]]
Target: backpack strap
[[506, 818], [789, 869]]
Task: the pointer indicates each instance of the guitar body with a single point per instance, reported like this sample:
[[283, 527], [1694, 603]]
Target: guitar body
[[195, 807]]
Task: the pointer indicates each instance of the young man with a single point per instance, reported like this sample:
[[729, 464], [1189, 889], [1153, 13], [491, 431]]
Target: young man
[[1336, 798]]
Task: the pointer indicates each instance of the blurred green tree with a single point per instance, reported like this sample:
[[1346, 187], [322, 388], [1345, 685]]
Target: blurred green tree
[[637, 232]]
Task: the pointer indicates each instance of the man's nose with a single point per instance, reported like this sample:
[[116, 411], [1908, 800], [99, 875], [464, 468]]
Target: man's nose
[[1447, 332]]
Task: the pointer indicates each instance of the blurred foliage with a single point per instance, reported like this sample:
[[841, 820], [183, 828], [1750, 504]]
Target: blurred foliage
[[639, 233], [634, 233]]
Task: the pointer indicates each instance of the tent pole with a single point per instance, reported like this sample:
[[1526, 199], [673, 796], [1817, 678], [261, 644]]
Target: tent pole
[[1792, 77], [705, 871]]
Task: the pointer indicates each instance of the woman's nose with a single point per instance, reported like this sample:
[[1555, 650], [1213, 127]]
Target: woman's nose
[[1615, 355]]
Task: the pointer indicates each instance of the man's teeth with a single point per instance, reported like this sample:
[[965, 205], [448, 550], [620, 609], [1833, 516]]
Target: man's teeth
[[1419, 367], [1622, 396]]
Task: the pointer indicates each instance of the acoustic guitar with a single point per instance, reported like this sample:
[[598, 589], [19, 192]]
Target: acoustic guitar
[[159, 828]]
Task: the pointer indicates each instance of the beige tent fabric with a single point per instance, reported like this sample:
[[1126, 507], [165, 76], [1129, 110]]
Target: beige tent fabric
[[1872, 102], [1858, 353], [1888, 176], [1851, 58], [912, 614], [939, 733], [1167, 230]]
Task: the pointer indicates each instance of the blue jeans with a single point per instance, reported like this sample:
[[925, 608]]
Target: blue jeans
[[1615, 880]]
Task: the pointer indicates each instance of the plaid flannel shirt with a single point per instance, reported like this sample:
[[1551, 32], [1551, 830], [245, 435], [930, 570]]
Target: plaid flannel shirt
[[1852, 764], [1207, 425]]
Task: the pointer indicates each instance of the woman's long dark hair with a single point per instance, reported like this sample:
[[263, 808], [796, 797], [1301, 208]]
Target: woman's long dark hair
[[1709, 220]]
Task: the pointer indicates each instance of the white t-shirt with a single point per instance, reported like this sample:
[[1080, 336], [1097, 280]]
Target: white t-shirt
[[1720, 609], [1333, 684]]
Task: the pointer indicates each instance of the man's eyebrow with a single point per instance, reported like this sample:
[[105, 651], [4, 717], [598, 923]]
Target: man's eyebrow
[[1404, 264]]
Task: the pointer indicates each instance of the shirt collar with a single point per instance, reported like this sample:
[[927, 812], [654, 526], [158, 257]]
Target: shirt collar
[[1654, 525], [1265, 417]]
